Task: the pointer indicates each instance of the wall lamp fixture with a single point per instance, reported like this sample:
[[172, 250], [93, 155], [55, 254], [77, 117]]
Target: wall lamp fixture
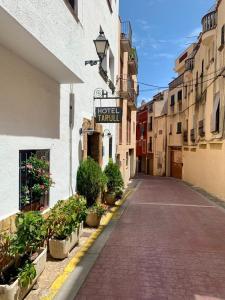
[[101, 45], [107, 133], [89, 131]]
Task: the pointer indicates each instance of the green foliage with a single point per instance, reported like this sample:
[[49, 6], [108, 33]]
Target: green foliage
[[27, 274], [38, 180], [65, 217], [89, 180], [99, 209], [5, 250], [115, 181], [31, 233]]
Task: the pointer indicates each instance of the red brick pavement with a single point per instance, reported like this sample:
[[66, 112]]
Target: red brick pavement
[[168, 245]]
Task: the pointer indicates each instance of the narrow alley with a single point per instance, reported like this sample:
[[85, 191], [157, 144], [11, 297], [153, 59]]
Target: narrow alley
[[168, 244]]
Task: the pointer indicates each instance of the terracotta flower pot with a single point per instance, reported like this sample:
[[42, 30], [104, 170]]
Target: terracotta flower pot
[[93, 220], [110, 198]]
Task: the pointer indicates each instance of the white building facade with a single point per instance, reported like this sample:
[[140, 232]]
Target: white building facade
[[43, 49]]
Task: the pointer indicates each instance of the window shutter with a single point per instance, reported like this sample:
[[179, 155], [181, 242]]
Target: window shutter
[[214, 112]]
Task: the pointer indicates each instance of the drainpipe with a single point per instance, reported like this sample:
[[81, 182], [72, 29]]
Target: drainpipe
[[71, 125]]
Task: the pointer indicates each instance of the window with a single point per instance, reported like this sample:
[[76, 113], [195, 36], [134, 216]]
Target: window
[[179, 95], [73, 5], [110, 147], [215, 120], [150, 124], [223, 35], [30, 198], [171, 129], [150, 145], [201, 128], [172, 102], [179, 127]]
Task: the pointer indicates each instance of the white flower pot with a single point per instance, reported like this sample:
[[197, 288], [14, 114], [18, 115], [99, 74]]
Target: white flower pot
[[14, 291], [60, 249], [81, 228]]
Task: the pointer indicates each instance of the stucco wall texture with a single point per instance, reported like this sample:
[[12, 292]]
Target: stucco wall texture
[[34, 107]]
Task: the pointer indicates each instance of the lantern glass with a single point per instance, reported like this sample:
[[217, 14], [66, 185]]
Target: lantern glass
[[101, 45]]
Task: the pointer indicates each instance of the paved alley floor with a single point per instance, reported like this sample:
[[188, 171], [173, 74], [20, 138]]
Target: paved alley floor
[[169, 244]]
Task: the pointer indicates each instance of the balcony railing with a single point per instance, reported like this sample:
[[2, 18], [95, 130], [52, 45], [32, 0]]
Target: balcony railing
[[176, 82], [127, 89], [133, 61], [189, 64], [126, 32], [209, 21]]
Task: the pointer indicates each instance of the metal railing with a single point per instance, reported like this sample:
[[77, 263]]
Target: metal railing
[[209, 21], [126, 31], [176, 82], [189, 64]]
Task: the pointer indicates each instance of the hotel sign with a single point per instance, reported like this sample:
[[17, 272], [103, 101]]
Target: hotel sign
[[108, 114]]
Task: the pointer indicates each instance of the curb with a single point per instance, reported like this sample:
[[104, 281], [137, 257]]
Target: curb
[[72, 264]]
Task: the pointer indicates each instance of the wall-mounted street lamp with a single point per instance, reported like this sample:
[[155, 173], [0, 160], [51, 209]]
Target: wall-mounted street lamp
[[101, 45], [107, 133], [89, 131]]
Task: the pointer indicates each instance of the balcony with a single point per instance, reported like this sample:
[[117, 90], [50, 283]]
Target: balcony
[[133, 62], [177, 82], [189, 64], [128, 91], [126, 36], [209, 23]]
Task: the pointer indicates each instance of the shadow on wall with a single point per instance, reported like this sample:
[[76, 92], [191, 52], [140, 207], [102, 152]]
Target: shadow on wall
[[29, 99]]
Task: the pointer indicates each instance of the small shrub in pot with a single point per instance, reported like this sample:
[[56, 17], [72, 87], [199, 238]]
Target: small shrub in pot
[[89, 180], [115, 182], [94, 214]]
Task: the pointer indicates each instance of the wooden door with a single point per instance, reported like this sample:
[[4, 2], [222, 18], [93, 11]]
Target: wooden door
[[176, 163]]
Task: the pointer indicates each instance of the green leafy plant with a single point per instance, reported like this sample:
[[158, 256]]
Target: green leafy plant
[[65, 217], [5, 250], [115, 181], [38, 179], [31, 233], [27, 274], [99, 209], [79, 205], [89, 180]]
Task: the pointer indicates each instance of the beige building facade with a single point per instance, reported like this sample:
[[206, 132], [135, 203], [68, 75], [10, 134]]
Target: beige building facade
[[126, 145], [196, 148]]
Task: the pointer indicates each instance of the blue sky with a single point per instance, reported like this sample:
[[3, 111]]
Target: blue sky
[[161, 31]]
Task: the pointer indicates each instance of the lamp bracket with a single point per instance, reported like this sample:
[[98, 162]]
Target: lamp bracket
[[92, 62]]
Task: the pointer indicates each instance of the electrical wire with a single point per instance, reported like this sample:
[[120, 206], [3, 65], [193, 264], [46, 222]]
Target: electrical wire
[[193, 82]]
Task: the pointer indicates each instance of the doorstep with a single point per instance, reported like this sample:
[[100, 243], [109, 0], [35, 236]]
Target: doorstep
[[57, 272]]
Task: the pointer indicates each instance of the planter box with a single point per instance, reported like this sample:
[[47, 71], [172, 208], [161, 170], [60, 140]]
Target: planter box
[[60, 249], [14, 291], [81, 229]]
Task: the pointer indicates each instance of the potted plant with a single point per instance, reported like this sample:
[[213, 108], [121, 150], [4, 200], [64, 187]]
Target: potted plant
[[89, 180], [114, 184], [27, 256], [65, 223], [94, 214]]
